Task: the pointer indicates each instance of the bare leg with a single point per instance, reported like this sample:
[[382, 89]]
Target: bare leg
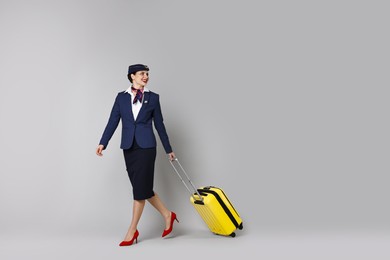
[[138, 207], [159, 205]]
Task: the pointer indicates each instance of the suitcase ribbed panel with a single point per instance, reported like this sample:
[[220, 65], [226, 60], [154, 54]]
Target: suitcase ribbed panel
[[211, 220], [214, 216]]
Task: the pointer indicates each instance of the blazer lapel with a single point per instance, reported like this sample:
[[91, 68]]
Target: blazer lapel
[[129, 106], [144, 104]]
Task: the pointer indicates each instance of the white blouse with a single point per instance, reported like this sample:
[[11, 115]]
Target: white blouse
[[137, 106]]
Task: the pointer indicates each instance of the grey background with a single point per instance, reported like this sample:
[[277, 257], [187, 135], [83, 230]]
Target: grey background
[[283, 104]]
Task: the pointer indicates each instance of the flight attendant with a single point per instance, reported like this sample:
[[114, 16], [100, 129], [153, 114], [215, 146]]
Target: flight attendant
[[137, 108]]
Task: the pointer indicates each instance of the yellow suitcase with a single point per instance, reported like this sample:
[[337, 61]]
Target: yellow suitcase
[[213, 206]]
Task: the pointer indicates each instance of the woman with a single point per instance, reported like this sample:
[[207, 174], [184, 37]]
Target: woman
[[137, 107]]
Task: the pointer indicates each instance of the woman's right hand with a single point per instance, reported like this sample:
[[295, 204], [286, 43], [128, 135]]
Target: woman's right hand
[[99, 150]]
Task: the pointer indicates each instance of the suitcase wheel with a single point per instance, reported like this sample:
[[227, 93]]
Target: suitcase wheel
[[240, 227], [233, 234]]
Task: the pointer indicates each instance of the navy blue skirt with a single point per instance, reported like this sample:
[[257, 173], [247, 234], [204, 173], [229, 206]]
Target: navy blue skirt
[[140, 168]]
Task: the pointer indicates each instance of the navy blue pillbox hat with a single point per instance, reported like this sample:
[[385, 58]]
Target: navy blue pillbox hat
[[137, 67]]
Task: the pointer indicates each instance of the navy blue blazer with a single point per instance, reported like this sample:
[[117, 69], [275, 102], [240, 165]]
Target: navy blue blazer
[[141, 128]]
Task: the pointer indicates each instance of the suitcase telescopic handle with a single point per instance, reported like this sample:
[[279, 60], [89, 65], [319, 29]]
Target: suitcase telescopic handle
[[188, 179]]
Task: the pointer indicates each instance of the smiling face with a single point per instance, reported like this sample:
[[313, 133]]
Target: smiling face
[[140, 78]]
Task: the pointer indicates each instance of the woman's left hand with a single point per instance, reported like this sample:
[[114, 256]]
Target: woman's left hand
[[172, 156]]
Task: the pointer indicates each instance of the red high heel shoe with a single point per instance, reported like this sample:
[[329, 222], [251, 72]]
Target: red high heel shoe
[[129, 243], [169, 230]]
